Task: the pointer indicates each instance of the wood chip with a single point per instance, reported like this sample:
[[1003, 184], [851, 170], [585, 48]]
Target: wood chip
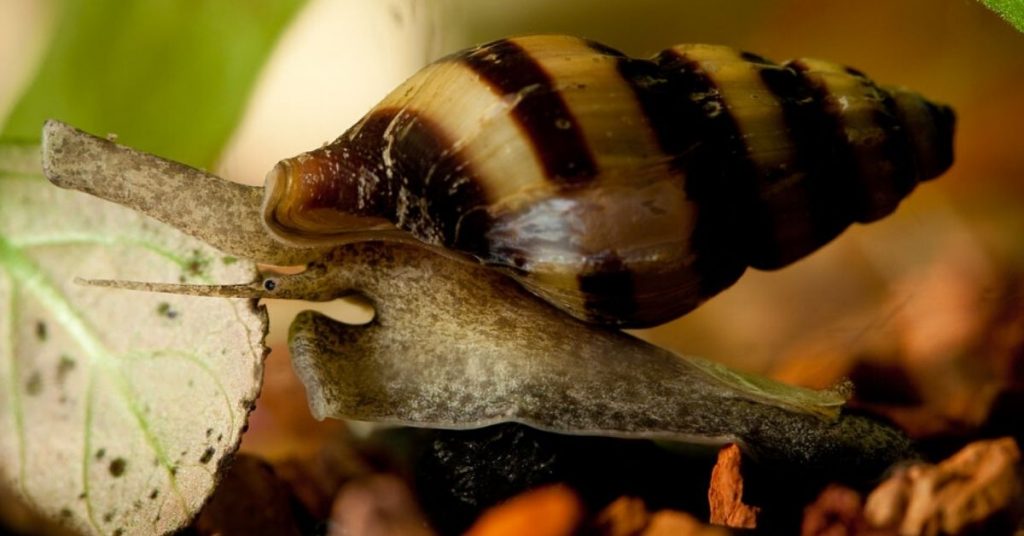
[[380, 505], [725, 494], [838, 511], [626, 516], [980, 486], [548, 511], [673, 523], [250, 499]]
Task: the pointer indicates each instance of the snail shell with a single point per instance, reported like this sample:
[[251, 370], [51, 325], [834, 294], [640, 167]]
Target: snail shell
[[623, 191]]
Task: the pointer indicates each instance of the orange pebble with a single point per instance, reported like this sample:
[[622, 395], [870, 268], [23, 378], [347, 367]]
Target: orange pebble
[[548, 511]]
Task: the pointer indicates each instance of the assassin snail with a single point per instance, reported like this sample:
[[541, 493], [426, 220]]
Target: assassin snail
[[623, 191]]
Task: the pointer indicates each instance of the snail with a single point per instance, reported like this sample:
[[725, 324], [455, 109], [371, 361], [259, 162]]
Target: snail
[[623, 191]]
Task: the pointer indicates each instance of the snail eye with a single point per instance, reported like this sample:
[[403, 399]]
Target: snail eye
[[269, 284]]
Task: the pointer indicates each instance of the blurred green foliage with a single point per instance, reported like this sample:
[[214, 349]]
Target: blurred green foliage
[[168, 76], [1011, 10]]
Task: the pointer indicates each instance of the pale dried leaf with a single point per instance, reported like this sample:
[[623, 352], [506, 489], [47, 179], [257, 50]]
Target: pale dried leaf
[[379, 505], [116, 407]]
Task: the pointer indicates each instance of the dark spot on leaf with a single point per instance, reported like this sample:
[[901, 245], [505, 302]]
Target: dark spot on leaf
[[209, 432], [117, 467], [396, 15], [191, 383], [154, 494], [118, 532], [229, 260], [196, 265], [207, 455], [64, 367], [219, 437], [174, 470], [109, 516], [100, 454], [34, 385], [65, 512], [41, 333], [184, 452], [136, 504], [164, 309], [81, 496]]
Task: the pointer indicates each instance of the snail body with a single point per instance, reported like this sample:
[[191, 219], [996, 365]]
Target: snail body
[[623, 191]]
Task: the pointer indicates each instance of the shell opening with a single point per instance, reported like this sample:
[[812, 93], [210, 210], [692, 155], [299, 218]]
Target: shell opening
[[305, 204]]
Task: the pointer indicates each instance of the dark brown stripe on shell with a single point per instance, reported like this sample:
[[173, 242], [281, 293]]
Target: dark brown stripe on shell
[[755, 58], [672, 116], [435, 194], [607, 288], [823, 155], [897, 147], [940, 155], [856, 201], [553, 131], [604, 49], [697, 145], [887, 167], [855, 72], [693, 125]]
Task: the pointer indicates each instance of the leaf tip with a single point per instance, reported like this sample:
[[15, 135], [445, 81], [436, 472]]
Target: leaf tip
[[54, 135], [1012, 11]]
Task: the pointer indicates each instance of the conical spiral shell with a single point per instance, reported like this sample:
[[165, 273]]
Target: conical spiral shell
[[624, 191]]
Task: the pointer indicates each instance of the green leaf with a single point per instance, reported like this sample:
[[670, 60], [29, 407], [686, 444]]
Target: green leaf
[[116, 407], [171, 77], [1010, 10]]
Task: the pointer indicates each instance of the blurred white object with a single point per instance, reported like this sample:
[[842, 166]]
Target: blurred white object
[[336, 60], [25, 30]]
